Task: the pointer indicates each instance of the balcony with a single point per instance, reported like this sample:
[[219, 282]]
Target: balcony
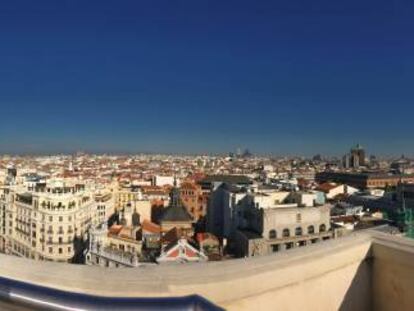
[[364, 271], [113, 254]]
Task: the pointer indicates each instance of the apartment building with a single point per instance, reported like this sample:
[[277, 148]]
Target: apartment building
[[127, 195], [194, 199], [139, 198], [104, 207], [265, 229], [364, 180], [252, 223], [41, 221], [118, 246]]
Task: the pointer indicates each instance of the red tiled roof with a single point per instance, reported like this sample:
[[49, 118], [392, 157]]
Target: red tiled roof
[[204, 236], [150, 227], [115, 229], [125, 233]]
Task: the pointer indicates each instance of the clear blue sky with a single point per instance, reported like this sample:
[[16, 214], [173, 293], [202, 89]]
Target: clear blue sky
[[288, 77]]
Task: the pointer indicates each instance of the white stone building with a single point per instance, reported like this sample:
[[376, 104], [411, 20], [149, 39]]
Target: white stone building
[[42, 221]]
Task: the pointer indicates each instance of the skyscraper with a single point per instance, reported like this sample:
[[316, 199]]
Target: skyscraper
[[358, 156]]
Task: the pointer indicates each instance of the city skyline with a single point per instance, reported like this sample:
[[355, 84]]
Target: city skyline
[[206, 155], [232, 153], [184, 77]]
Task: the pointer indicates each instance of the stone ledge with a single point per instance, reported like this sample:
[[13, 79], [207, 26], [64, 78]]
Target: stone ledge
[[227, 283]]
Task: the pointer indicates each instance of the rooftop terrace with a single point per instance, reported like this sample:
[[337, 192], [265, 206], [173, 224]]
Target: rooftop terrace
[[365, 271]]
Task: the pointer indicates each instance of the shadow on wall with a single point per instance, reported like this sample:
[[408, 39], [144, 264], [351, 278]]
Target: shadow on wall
[[359, 295]]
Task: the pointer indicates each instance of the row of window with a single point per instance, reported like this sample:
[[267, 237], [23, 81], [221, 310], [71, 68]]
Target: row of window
[[60, 231], [298, 231], [25, 251], [187, 192], [61, 218], [60, 250]]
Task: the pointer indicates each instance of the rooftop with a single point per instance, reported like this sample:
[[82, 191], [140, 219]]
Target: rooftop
[[366, 175], [229, 179], [176, 213], [368, 270]]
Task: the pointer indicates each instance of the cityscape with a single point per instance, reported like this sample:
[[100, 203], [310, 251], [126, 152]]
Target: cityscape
[[206, 155], [137, 210]]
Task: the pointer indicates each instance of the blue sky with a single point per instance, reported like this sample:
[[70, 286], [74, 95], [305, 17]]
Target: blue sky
[[283, 77]]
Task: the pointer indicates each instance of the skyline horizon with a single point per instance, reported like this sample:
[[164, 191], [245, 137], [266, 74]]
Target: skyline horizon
[[205, 153]]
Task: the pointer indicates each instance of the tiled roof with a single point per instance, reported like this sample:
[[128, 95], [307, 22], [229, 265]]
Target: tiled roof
[[115, 229], [176, 213], [150, 227]]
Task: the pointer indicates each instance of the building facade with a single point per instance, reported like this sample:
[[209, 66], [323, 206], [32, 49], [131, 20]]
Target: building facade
[[267, 229], [364, 180], [356, 158], [41, 222], [194, 199], [118, 246]]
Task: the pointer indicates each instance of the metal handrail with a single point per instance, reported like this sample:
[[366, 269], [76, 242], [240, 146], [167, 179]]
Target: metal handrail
[[34, 297]]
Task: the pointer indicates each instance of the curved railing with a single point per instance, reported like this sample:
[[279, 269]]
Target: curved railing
[[33, 297]]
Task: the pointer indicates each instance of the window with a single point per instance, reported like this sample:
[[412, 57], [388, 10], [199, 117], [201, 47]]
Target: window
[[322, 228], [286, 233], [311, 230], [272, 234], [60, 218], [50, 218], [298, 218], [60, 250], [50, 250], [298, 231]]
